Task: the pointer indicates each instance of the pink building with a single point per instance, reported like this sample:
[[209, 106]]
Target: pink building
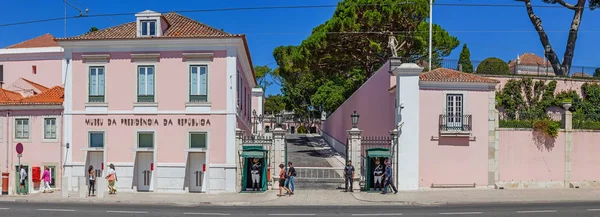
[[160, 98], [31, 112]]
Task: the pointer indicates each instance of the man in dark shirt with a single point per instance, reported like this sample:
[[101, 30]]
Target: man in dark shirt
[[349, 176], [291, 175], [389, 178]]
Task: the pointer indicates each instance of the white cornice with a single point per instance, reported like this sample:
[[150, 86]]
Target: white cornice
[[31, 107], [433, 85], [87, 57], [32, 50]]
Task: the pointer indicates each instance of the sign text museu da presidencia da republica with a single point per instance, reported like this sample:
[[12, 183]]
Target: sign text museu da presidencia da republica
[[147, 122]]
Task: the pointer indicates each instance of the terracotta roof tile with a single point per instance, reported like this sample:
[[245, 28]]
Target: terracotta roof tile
[[7, 95], [449, 75], [179, 27], [52, 96], [36, 85], [580, 75], [530, 59], [45, 40]]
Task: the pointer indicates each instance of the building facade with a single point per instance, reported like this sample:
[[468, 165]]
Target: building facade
[[160, 98]]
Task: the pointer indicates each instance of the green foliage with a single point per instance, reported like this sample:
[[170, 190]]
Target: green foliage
[[328, 66], [597, 73], [262, 73], [274, 104], [465, 59], [93, 29], [302, 129], [547, 126], [493, 66]]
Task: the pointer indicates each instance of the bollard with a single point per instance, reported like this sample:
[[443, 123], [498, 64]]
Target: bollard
[[101, 188], [82, 187], [5, 183], [64, 190]]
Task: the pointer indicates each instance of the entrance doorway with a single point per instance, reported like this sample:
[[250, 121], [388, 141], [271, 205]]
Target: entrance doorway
[[196, 171], [292, 130], [144, 170], [95, 159]]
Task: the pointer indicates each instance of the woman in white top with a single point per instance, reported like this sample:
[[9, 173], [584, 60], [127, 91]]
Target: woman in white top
[[112, 178]]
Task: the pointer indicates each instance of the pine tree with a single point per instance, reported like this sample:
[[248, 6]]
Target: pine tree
[[465, 59]]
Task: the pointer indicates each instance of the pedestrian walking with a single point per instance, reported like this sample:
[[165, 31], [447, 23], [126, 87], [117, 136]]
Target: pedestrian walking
[[389, 178], [46, 180], [22, 180], [291, 175], [92, 181], [349, 176], [112, 178], [282, 181]]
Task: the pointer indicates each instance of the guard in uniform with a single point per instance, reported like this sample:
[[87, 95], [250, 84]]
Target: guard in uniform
[[349, 176], [378, 175], [255, 171]]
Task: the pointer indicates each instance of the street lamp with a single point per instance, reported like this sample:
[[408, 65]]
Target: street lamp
[[278, 119], [355, 117]]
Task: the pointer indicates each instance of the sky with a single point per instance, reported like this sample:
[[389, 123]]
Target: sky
[[502, 32]]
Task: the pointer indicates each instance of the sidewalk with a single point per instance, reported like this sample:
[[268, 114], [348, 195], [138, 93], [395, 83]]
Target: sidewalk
[[332, 198], [482, 196]]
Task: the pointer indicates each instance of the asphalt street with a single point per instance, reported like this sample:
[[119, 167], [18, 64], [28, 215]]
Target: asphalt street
[[103, 210]]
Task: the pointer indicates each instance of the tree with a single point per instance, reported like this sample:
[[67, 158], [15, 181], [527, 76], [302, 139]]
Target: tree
[[341, 54], [578, 8], [358, 33], [493, 66], [274, 104], [597, 73], [465, 59], [93, 29], [261, 73]]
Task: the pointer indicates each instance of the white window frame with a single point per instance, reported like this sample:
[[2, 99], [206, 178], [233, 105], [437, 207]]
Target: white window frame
[[452, 122], [90, 68], [56, 125], [198, 66], [148, 27], [23, 139], [89, 139]]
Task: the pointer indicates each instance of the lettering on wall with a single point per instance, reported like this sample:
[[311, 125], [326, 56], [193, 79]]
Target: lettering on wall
[[147, 122]]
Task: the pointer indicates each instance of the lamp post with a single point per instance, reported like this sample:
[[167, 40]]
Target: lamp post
[[278, 120], [257, 119], [355, 117]]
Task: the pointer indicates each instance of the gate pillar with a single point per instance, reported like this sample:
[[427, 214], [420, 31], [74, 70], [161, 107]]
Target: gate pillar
[[239, 143], [354, 154], [279, 154]]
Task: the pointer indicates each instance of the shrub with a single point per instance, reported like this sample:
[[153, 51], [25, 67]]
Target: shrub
[[547, 126], [493, 66], [302, 129]]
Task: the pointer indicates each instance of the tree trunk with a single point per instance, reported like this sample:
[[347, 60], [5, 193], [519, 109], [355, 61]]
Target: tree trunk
[[568, 58], [550, 53]]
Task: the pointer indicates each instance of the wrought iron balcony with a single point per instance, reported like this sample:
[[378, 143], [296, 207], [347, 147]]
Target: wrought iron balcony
[[456, 124]]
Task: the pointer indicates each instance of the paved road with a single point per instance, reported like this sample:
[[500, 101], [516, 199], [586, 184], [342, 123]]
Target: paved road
[[101, 210]]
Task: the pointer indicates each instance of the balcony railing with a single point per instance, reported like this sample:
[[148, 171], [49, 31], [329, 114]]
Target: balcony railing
[[456, 123], [145, 98], [95, 98], [198, 98]]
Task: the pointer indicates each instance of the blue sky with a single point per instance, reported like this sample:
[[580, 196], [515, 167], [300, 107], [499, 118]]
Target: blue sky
[[502, 32]]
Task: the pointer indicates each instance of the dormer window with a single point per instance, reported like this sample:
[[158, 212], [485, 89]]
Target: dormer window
[[148, 27]]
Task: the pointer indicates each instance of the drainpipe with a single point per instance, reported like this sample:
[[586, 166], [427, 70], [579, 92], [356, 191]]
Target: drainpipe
[[7, 137], [60, 145]]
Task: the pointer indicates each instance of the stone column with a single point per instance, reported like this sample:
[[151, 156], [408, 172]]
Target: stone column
[[568, 123], [239, 143], [354, 152], [278, 153], [407, 120], [394, 151], [492, 148]]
